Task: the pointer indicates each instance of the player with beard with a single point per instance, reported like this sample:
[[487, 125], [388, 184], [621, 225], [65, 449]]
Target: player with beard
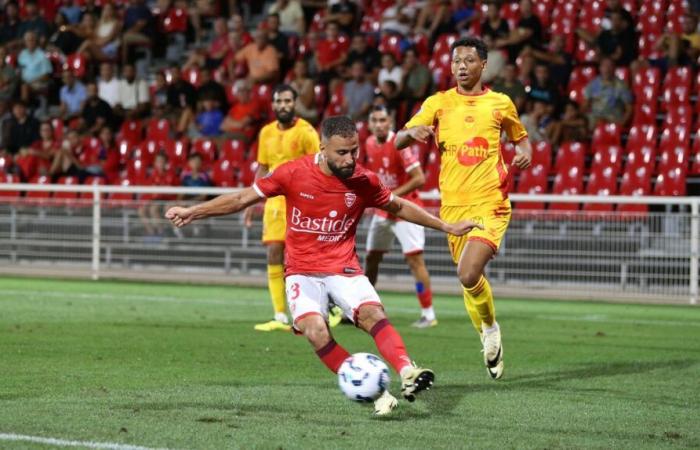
[[466, 123], [326, 195], [286, 139]]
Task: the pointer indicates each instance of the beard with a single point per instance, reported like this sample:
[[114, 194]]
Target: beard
[[285, 117], [341, 172]]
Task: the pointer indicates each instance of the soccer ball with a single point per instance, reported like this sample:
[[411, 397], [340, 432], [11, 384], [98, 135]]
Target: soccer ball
[[363, 377]]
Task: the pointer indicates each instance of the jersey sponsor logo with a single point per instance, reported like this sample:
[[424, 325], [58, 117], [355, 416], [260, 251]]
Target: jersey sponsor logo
[[330, 228], [349, 270], [350, 199], [473, 151], [305, 195]]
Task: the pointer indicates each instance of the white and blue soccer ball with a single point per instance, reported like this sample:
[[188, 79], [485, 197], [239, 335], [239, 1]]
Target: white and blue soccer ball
[[363, 377]]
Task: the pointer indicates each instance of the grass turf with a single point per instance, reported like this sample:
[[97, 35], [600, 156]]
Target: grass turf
[[180, 366]]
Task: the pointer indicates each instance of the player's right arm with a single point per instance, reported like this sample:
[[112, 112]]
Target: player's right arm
[[220, 206], [420, 128]]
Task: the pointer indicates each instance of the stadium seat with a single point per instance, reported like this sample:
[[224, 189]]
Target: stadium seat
[[137, 171], [673, 18], [247, 175], [39, 197], [58, 128], [77, 63], [5, 163], [391, 43], [131, 131], [650, 18], [673, 157], [8, 196], [681, 114], [606, 134], [511, 13], [145, 152], [585, 53], [177, 152], [623, 73], [542, 155], [321, 95], [643, 156], [645, 107], [192, 76], [648, 76], [175, 21], [121, 198], [670, 183], [91, 181], [543, 12], [443, 43], [252, 152], [507, 152], [636, 182], [67, 198], [580, 77], [678, 76], [673, 97], [234, 152], [677, 135], [570, 155], [207, 149], [607, 157], [158, 129], [224, 173], [601, 183], [567, 182], [532, 181], [640, 135], [421, 44], [647, 44]]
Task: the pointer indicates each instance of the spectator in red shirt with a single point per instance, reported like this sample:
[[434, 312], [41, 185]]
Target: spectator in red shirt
[[242, 119], [104, 160], [331, 53], [150, 212]]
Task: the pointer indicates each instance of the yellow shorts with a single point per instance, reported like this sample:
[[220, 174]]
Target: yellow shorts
[[274, 220], [493, 216]]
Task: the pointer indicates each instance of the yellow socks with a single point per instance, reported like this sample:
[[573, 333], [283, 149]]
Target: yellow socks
[[275, 283], [478, 300]]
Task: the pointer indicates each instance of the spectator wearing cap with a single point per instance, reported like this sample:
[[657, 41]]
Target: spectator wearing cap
[[261, 58], [607, 97], [72, 95], [291, 16]]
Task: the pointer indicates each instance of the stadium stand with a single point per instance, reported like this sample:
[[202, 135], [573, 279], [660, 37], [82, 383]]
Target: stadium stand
[[654, 45]]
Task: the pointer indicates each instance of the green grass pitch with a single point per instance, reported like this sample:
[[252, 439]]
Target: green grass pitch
[[179, 366]]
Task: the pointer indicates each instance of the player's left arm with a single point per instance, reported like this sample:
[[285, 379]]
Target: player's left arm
[[220, 206], [516, 133], [411, 212]]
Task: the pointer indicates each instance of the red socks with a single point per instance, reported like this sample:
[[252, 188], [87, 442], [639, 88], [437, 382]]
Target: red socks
[[390, 345], [332, 355]]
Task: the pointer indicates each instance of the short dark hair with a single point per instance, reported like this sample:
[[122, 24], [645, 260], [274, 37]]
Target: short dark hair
[[379, 108], [342, 126], [471, 41], [284, 88], [194, 155]]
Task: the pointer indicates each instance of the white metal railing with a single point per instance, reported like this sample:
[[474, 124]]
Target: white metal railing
[[616, 254]]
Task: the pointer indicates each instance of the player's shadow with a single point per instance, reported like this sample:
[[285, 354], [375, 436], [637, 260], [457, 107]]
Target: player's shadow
[[444, 398]]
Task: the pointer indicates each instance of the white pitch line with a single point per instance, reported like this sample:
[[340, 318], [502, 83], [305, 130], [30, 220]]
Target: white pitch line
[[67, 443], [604, 319]]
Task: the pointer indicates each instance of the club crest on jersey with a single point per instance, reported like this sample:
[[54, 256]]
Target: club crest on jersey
[[350, 199]]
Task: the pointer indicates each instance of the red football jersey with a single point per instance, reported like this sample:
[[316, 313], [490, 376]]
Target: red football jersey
[[322, 214], [391, 165]]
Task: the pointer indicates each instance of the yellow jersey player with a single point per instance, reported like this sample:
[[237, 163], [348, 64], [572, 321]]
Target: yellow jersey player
[[286, 139], [466, 122]]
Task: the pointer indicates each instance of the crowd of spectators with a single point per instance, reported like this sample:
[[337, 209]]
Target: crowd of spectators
[[80, 77]]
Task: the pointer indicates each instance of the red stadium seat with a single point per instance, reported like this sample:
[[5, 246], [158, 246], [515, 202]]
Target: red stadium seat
[[644, 156], [5, 163], [603, 183], [224, 173], [580, 77], [645, 107], [567, 182], [145, 152], [623, 73], [585, 54], [175, 21], [443, 43], [192, 76], [177, 152], [207, 149], [58, 128], [234, 152], [674, 97], [248, 171], [131, 131], [570, 155], [678, 76], [606, 134], [532, 181], [8, 196], [137, 171], [673, 157], [650, 18], [670, 183], [391, 43], [158, 129], [609, 157], [542, 155], [674, 136], [640, 135], [321, 95], [511, 13], [39, 197], [543, 12], [76, 63], [121, 198], [681, 114], [91, 181], [67, 198], [507, 152], [635, 183], [647, 44], [649, 76]]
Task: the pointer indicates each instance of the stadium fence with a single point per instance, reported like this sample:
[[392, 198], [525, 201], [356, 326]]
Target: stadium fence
[[618, 247]]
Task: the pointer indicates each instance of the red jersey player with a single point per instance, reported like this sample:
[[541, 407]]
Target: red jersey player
[[326, 195], [401, 172]]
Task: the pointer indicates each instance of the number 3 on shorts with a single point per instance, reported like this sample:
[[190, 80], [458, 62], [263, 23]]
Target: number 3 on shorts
[[295, 291]]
